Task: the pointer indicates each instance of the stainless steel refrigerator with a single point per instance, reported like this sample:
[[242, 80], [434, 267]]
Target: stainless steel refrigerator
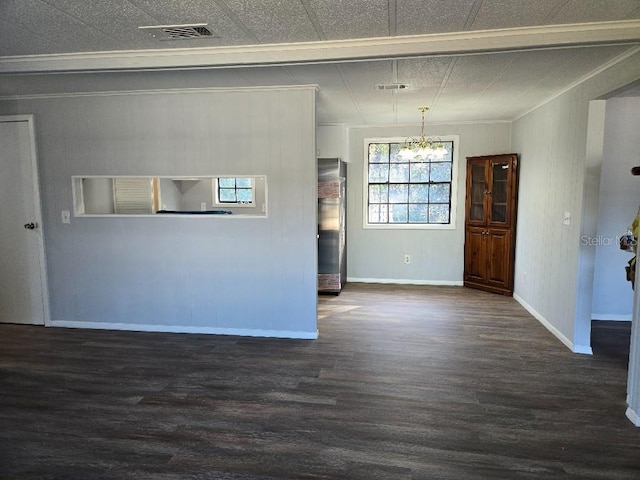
[[332, 232]]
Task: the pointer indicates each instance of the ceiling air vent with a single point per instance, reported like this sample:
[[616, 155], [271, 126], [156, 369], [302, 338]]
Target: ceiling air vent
[[392, 86], [179, 32]]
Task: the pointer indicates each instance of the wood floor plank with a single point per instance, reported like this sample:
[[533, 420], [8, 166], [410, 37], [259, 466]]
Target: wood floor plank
[[404, 382]]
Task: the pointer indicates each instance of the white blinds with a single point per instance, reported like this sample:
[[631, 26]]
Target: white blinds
[[133, 195]]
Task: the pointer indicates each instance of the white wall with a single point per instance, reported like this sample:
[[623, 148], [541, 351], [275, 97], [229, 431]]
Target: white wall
[[98, 195], [437, 256], [552, 142], [619, 200], [170, 196], [251, 276], [196, 192], [332, 142]]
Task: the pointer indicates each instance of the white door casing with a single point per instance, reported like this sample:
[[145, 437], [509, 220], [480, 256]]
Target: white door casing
[[23, 284]]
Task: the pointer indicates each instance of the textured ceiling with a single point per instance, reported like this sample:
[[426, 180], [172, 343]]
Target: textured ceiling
[[498, 85]]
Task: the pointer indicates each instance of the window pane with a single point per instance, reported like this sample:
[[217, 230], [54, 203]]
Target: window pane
[[438, 213], [398, 193], [441, 172], [448, 146], [395, 157], [439, 193], [378, 173], [378, 214], [398, 213], [227, 182], [243, 182], [419, 172], [244, 195], [227, 195], [418, 193], [418, 213], [399, 172], [378, 193], [378, 152]]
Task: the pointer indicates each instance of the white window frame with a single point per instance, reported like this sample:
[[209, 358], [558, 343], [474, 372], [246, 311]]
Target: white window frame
[[410, 226]]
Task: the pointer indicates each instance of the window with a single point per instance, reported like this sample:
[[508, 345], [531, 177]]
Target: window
[[413, 193], [170, 195], [237, 190]]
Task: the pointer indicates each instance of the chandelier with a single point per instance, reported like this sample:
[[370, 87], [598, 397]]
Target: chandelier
[[422, 148]]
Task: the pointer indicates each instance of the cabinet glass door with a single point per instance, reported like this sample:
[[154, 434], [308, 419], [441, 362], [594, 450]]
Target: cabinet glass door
[[499, 192], [478, 189]]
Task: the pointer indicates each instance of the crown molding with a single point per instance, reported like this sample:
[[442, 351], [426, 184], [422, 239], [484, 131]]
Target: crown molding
[[442, 123], [452, 43], [159, 91]]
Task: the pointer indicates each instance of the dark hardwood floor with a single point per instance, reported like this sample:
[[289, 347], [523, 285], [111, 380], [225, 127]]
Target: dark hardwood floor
[[404, 382], [611, 340]]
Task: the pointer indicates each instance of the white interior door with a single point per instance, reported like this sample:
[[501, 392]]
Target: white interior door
[[23, 297]]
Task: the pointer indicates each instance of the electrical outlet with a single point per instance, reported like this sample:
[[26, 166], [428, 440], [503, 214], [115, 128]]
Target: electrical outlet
[[407, 259], [66, 216], [203, 206]]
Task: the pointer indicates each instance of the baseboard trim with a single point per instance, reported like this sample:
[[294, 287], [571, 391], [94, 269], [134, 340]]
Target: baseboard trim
[[242, 332], [402, 281], [633, 416], [582, 349], [610, 318]]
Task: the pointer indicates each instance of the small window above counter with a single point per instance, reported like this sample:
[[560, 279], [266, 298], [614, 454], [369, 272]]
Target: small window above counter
[[130, 195]]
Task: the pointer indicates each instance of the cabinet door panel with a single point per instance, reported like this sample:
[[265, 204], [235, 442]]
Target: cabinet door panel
[[476, 193], [474, 255], [498, 258], [500, 180]]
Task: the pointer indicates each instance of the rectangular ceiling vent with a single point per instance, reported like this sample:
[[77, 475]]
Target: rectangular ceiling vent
[[392, 86], [179, 32]]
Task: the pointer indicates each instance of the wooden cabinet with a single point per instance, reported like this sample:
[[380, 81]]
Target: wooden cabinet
[[490, 221]]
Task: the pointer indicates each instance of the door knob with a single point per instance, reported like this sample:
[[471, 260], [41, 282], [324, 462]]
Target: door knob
[[30, 226]]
